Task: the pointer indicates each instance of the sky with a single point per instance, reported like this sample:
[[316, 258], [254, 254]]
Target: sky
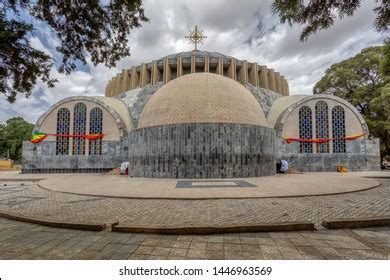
[[244, 29]]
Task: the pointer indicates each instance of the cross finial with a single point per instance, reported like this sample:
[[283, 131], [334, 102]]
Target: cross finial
[[196, 37]]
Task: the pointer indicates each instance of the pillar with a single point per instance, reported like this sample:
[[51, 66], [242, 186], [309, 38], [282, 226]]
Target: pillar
[[263, 77], [253, 75], [206, 64], [167, 72], [278, 85], [193, 64], [134, 78], [271, 79], [155, 73], [244, 73], [179, 67], [231, 71], [220, 66]]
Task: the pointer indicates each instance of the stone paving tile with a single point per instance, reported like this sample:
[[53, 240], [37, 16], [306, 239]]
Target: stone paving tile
[[373, 202], [28, 241]]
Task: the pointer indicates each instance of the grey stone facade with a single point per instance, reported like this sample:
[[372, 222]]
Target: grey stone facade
[[42, 158], [136, 99], [202, 150], [361, 155], [265, 97]]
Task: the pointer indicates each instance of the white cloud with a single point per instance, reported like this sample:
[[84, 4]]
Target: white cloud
[[243, 29]]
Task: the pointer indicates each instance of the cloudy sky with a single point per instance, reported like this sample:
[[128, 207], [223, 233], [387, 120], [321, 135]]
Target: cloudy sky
[[244, 29]]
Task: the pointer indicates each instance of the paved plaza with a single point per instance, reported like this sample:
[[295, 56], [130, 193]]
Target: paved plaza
[[280, 185], [26, 241]]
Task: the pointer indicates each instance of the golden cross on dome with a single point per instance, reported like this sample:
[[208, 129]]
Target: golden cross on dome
[[196, 37]]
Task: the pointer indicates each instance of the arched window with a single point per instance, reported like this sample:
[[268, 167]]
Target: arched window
[[95, 127], [79, 127], [63, 123], [322, 126], [338, 129], [305, 129]]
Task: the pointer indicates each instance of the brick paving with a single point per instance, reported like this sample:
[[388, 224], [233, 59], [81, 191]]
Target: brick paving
[[27, 241], [29, 199]]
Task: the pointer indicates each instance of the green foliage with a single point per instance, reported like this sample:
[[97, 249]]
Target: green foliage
[[96, 30], [363, 80], [317, 15], [12, 134]]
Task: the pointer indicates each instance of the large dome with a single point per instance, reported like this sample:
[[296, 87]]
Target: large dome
[[202, 98]]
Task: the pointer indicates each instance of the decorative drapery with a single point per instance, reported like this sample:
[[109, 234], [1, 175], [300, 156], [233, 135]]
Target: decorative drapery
[[39, 136], [353, 137]]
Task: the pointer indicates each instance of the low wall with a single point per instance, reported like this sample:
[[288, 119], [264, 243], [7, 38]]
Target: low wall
[[202, 150], [361, 155], [42, 158]]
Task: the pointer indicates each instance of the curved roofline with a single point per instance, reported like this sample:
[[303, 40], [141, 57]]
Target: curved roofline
[[195, 52], [148, 121], [286, 113], [118, 119]]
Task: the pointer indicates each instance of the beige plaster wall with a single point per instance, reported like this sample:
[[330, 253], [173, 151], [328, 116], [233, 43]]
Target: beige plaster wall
[[352, 124], [110, 128]]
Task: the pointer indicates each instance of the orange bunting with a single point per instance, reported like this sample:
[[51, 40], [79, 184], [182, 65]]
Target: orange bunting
[[353, 137]]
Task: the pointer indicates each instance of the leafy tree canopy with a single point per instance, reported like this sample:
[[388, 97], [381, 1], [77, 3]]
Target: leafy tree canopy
[[12, 134], [85, 29], [364, 80], [321, 14]]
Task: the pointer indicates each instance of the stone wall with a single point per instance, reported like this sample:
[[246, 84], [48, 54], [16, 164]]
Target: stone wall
[[42, 158], [202, 150], [361, 155]]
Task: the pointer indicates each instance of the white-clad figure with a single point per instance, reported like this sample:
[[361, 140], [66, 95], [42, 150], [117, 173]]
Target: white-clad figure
[[283, 166]]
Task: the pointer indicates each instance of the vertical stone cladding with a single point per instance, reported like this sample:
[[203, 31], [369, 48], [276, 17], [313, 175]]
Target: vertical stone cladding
[[167, 71], [263, 77], [193, 64], [134, 78], [271, 79], [278, 84], [179, 67], [206, 64], [220, 66], [243, 72], [253, 75], [202, 150], [145, 76]]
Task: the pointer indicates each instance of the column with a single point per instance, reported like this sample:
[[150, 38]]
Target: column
[[167, 72], [278, 83], [206, 64], [134, 78], [244, 73], [253, 75], [263, 77], [179, 67], [220, 66], [271, 79]]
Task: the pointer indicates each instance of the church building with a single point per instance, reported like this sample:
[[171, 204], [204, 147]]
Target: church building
[[200, 114]]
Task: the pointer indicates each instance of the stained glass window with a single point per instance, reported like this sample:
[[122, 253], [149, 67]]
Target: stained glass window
[[63, 122], [95, 127], [322, 126], [305, 129], [338, 128], [79, 127]]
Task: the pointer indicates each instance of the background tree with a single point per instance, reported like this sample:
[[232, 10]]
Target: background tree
[[85, 29], [321, 14], [362, 81], [12, 134]]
